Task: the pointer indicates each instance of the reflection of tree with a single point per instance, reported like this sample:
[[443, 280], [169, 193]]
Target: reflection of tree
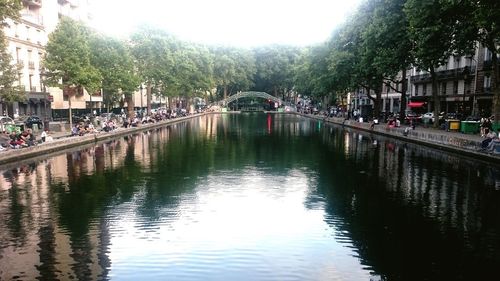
[[408, 220]]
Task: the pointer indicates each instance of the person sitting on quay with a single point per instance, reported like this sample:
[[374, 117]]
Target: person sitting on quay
[[490, 135], [45, 137], [494, 146], [16, 141]]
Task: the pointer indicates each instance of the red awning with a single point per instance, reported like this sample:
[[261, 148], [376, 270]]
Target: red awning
[[416, 104]]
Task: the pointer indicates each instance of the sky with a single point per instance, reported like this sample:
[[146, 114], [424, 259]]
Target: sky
[[241, 23]]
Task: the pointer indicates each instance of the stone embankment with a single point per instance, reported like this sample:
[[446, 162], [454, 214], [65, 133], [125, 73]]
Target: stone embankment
[[464, 144], [456, 142], [65, 141]]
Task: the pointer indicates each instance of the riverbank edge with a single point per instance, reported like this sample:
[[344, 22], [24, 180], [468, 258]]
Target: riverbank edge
[[454, 142], [67, 142]]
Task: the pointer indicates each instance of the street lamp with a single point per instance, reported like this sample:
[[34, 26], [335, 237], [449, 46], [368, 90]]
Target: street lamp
[[466, 77], [140, 88]]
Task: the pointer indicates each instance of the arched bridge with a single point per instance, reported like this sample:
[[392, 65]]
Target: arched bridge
[[249, 95]]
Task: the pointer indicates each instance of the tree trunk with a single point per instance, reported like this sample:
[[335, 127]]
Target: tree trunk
[[130, 105], [495, 81], [225, 94], [402, 109], [148, 98], [70, 117], [435, 97], [378, 99]]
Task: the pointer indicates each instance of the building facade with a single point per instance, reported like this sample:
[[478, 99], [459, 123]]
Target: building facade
[[464, 87], [26, 38]]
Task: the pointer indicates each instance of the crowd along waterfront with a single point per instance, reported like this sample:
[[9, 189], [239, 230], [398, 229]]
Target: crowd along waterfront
[[250, 197]]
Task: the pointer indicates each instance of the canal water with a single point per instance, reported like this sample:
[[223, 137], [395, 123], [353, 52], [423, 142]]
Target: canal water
[[250, 197]]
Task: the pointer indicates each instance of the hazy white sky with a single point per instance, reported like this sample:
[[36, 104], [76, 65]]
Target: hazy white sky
[[229, 22]]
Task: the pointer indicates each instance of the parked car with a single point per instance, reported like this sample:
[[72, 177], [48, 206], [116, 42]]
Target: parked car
[[412, 116], [429, 117], [29, 121]]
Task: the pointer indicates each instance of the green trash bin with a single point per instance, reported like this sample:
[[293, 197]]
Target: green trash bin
[[469, 127], [9, 128], [495, 127]]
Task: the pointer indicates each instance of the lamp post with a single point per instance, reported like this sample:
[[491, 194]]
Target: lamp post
[[140, 88], [466, 77]]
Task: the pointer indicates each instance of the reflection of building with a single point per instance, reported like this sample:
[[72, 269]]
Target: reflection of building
[[26, 40]]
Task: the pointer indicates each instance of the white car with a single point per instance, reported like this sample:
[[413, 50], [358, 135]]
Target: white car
[[428, 117]]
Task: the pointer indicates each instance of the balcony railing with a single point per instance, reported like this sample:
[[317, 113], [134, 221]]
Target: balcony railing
[[33, 89], [33, 18], [450, 74], [20, 62], [31, 65]]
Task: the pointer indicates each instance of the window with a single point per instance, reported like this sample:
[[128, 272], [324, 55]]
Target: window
[[457, 62], [18, 50], [38, 37], [28, 33], [443, 88], [487, 55], [487, 83], [455, 87], [424, 92], [416, 90], [33, 89], [16, 29]]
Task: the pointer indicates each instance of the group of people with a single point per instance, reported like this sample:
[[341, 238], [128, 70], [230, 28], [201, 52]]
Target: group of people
[[82, 128], [25, 138], [491, 142]]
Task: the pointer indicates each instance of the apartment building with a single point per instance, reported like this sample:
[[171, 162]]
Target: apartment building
[[27, 38], [464, 87]]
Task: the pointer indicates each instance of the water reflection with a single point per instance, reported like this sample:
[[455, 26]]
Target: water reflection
[[251, 197]]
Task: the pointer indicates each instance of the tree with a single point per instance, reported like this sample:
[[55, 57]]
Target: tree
[[233, 69], [9, 9], [274, 66], [67, 61], [388, 38], [114, 61], [431, 27], [481, 22], [9, 74], [151, 49]]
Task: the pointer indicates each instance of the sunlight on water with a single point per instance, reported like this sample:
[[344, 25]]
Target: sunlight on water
[[243, 223]]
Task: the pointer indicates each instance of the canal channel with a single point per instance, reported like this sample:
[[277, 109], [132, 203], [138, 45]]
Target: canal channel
[[250, 196]]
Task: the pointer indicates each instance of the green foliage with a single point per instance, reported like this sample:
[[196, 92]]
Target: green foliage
[[233, 69], [114, 61], [9, 9], [275, 66], [67, 58], [8, 76]]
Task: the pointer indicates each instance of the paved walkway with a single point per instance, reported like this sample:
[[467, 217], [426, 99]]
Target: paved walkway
[[465, 144]]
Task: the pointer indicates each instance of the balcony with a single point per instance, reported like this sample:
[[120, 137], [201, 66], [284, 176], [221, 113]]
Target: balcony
[[445, 75], [20, 62], [31, 65], [33, 3], [33, 18]]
